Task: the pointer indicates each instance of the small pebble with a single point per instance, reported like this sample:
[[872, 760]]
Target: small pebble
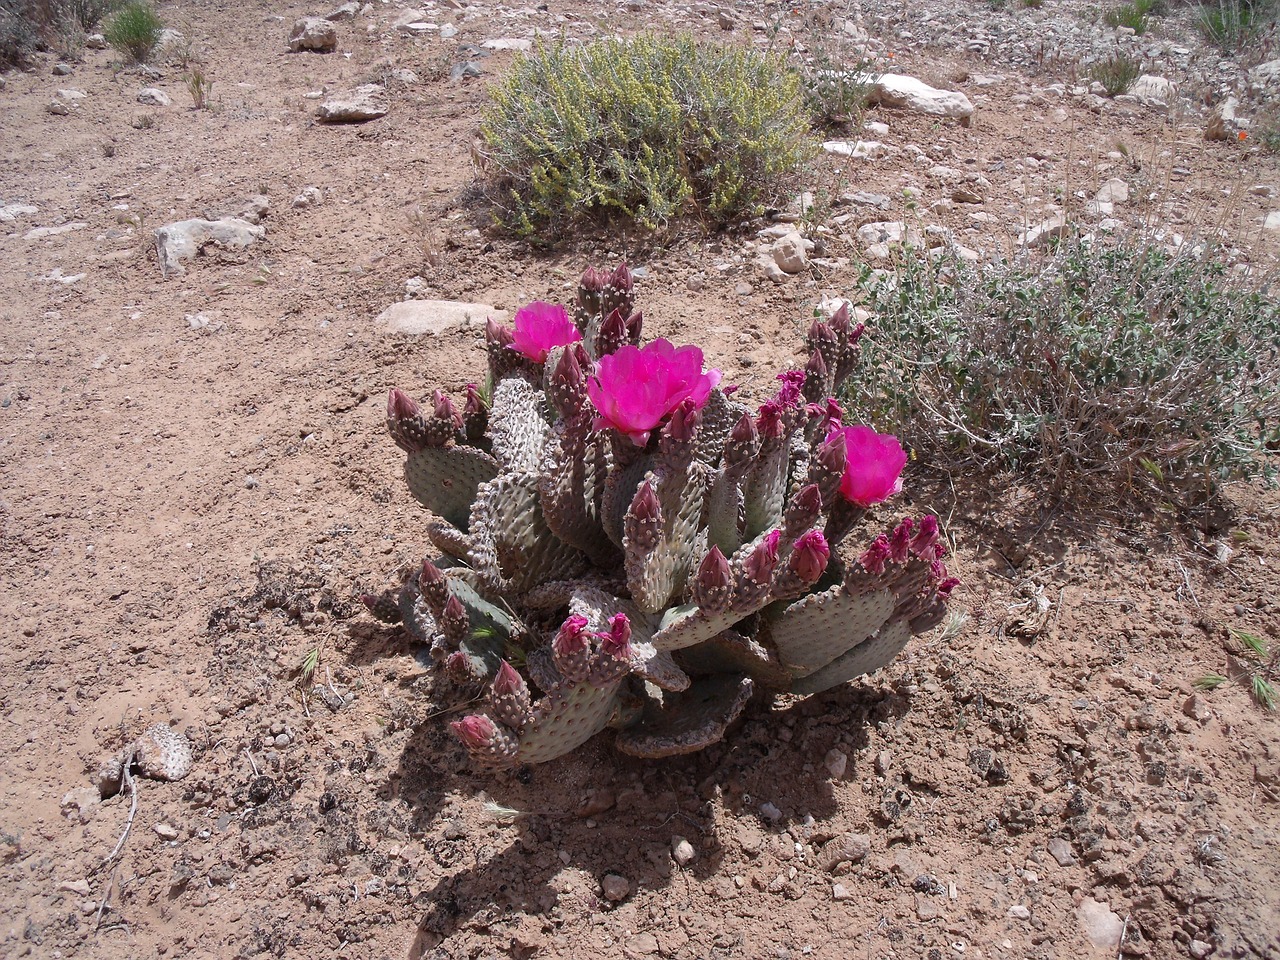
[[1020, 912], [770, 812], [166, 831], [837, 762], [615, 887], [282, 740], [682, 850]]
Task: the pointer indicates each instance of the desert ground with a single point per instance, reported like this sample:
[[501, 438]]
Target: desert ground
[[196, 484]]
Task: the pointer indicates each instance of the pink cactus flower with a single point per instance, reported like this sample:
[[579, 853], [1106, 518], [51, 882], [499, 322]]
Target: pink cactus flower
[[572, 637], [874, 470], [636, 388], [539, 327], [617, 642]]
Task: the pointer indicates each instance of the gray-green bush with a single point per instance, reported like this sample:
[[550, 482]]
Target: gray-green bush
[[1109, 364]]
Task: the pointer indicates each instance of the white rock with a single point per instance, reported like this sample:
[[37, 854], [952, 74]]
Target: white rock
[[857, 149], [171, 43], [1020, 911], [876, 128], [11, 211], [1043, 232], [682, 851], [1272, 222], [908, 93], [836, 761], [71, 96], [507, 43], [789, 253], [183, 240], [418, 317], [888, 231], [1265, 73], [448, 31], [95, 41], [1153, 91], [313, 33], [153, 97], [39, 233], [1103, 927], [364, 103], [166, 831], [347, 11], [309, 197], [1114, 190], [615, 887]]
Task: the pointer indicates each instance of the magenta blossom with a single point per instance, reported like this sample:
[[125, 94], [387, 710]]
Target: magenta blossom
[[636, 388], [874, 468], [541, 326]]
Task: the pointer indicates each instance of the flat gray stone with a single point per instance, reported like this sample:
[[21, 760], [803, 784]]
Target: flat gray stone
[[1103, 927], [315, 34], [368, 102], [434, 317], [153, 97], [186, 238]]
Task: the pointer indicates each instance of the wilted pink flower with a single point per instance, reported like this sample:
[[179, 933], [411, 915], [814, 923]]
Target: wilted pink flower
[[876, 556], [541, 326], [635, 388], [617, 642], [900, 541], [830, 411], [874, 469], [789, 393], [809, 558], [572, 636], [769, 422]]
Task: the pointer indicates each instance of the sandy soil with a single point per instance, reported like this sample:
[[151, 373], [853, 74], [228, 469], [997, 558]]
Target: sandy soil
[[195, 484]]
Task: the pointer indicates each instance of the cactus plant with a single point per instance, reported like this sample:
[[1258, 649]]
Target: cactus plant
[[620, 542]]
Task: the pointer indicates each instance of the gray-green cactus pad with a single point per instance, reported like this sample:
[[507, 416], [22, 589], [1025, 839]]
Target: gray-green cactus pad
[[517, 427], [872, 654], [445, 480], [813, 631], [511, 543], [688, 722], [565, 719]]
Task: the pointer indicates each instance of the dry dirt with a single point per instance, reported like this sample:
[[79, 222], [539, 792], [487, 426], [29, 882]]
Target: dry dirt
[[186, 510]]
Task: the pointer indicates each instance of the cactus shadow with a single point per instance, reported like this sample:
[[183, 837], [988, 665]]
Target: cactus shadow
[[598, 812], [369, 642]]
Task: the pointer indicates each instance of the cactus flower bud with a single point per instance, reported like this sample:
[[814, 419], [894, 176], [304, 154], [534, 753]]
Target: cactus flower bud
[[946, 586], [809, 557], [900, 542], [474, 403], [635, 323], [612, 333], [621, 279], [475, 731], [876, 556], [803, 510], [509, 698], [497, 335], [454, 621], [683, 423], [743, 443], [821, 334], [406, 423], [434, 587], [763, 558], [840, 319], [830, 412], [713, 586], [642, 524], [789, 393], [382, 606], [568, 383], [445, 409]]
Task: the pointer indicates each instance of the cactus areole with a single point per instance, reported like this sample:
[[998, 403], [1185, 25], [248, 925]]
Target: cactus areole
[[618, 542]]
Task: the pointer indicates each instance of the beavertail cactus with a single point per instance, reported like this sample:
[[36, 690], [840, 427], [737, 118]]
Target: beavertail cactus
[[620, 542]]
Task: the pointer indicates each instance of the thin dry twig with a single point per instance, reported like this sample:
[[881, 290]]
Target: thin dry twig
[[133, 810]]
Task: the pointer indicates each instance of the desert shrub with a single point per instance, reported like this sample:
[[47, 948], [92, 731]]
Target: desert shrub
[[1232, 25], [24, 24], [1117, 73], [87, 14], [135, 30], [1109, 364], [647, 129], [1133, 15], [836, 96]]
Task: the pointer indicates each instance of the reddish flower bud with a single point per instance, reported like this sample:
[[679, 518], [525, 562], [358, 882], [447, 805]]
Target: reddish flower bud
[[454, 621], [474, 403], [509, 697], [946, 586], [803, 510], [821, 334], [382, 606], [476, 731], [612, 333], [713, 586], [830, 412], [497, 335], [621, 279], [840, 319], [645, 507], [445, 409], [406, 423], [876, 555], [635, 323], [568, 383], [683, 423], [763, 558], [809, 557], [816, 367], [434, 587]]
